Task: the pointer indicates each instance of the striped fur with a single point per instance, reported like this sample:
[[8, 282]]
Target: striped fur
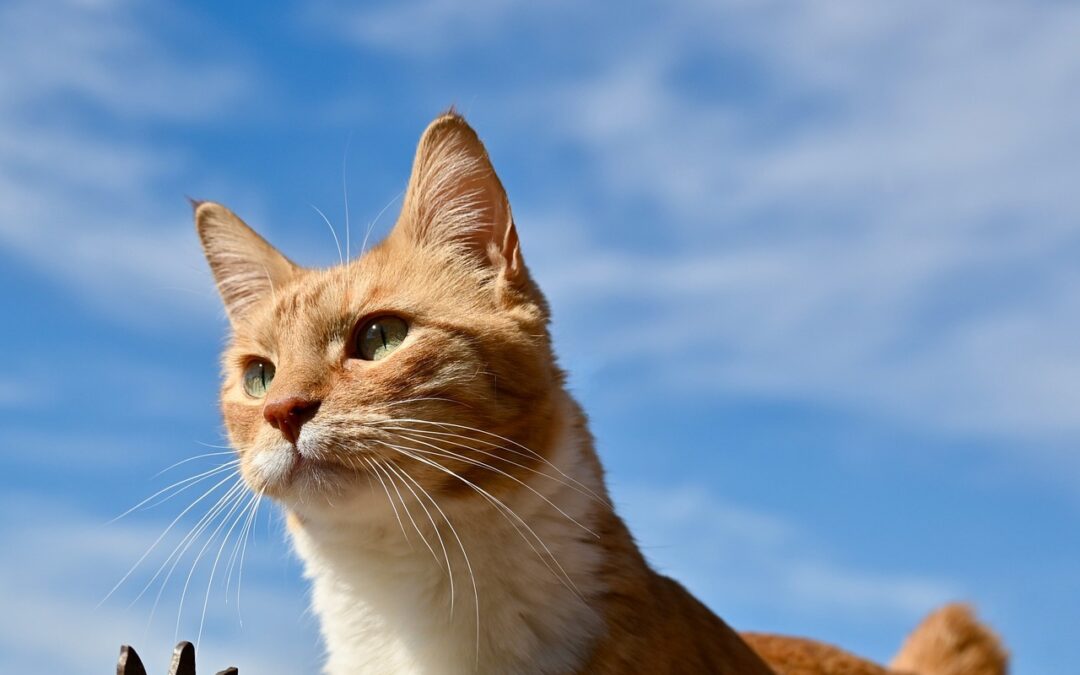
[[447, 500]]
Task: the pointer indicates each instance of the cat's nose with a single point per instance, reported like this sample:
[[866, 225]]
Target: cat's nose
[[287, 415]]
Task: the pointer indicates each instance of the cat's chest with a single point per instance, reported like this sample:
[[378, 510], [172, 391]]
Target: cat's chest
[[391, 614], [397, 609]]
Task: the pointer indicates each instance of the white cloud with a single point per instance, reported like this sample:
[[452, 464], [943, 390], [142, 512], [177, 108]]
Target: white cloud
[[883, 220], [746, 562], [828, 588], [79, 200], [62, 561], [52, 574], [932, 186], [112, 56], [16, 393], [425, 27]]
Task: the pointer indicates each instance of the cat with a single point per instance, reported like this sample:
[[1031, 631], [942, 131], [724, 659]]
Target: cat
[[406, 410]]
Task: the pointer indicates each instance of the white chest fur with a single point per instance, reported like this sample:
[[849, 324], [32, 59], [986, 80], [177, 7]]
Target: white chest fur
[[385, 600]]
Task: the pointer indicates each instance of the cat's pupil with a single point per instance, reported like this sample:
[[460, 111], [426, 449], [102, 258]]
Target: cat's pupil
[[257, 378], [379, 337]]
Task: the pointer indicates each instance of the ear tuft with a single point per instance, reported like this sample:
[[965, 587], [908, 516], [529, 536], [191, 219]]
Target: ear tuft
[[455, 199], [245, 266]]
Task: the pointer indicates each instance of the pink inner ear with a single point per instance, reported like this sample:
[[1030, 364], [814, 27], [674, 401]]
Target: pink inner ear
[[511, 249], [245, 266], [455, 198]]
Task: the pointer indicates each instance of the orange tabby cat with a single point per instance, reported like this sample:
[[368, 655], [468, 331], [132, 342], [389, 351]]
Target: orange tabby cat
[[406, 410]]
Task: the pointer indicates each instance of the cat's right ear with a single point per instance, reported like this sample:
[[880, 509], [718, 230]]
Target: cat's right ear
[[245, 266], [455, 200]]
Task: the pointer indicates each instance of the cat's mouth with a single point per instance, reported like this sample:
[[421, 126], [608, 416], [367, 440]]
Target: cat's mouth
[[300, 464], [284, 468], [306, 467]]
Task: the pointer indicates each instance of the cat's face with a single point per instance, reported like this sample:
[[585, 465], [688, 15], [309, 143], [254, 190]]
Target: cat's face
[[426, 362]]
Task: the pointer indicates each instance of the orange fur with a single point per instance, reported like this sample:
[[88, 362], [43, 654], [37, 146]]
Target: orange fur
[[951, 641], [467, 434], [799, 656]]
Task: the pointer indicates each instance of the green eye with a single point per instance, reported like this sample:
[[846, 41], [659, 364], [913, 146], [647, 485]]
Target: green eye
[[378, 337], [257, 378]]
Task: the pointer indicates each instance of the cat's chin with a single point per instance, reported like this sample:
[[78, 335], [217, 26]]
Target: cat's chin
[[286, 473]]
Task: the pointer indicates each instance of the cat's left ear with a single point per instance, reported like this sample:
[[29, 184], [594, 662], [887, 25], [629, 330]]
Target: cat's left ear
[[246, 267], [455, 199]]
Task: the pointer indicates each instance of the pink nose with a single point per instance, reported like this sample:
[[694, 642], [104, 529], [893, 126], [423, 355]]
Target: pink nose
[[287, 415]]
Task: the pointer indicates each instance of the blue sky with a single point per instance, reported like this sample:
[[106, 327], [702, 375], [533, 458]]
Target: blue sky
[[812, 265]]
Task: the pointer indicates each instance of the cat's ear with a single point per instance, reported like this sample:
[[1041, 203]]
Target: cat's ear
[[245, 266], [455, 199]]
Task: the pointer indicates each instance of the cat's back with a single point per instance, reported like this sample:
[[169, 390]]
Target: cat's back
[[801, 656], [655, 626], [680, 635]]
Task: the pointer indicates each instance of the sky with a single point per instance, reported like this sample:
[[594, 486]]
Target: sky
[[812, 267]]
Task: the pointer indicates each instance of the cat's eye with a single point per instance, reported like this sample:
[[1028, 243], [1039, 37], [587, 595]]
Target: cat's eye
[[380, 336], [257, 378]]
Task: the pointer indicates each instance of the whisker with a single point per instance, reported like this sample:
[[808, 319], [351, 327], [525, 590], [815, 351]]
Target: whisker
[[236, 501], [371, 463], [468, 565], [243, 553], [507, 512], [185, 544], [371, 225], [571, 485], [241, 539], [337, 243], [213, 568], [417, 399], [405, 507], [453, 455], [191, 459], [531, 453], [160, 537], [345, 191], [193, 480], [449, 571]]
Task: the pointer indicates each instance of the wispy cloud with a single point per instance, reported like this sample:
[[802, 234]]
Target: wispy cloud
[[79, 192], [738, 559], [58, 556], [426, 27], [743, 562], [887, 198], [15, 393]]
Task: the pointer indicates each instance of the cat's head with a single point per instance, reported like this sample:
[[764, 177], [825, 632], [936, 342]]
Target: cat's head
[[424, 359]]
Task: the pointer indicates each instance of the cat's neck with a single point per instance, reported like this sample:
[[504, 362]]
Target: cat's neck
[[384, 597]]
